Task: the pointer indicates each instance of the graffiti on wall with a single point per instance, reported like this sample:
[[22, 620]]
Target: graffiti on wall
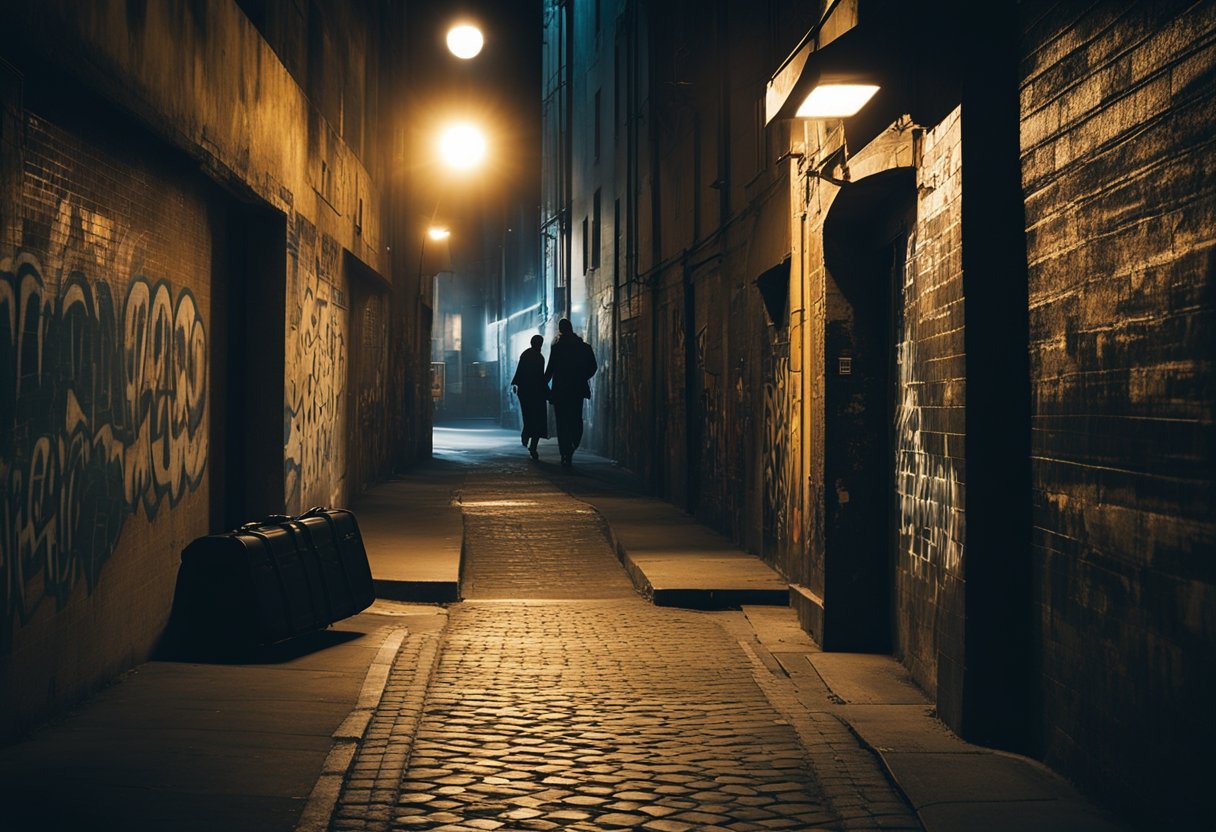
[[369, 377], [778, 472], [931, 520], [315, 388], [103, 410]]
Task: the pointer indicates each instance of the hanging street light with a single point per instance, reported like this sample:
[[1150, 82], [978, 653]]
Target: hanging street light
[[465, 41]]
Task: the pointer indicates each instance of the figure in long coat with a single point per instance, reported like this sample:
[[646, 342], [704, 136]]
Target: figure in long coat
[[571, 364], [533, 391]]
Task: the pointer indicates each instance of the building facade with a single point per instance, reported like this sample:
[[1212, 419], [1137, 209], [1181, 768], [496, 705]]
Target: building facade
[[945, 364], [203, 315]]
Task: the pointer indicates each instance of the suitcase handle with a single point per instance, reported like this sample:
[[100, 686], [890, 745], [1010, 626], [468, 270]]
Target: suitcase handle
[[279, 519], [269, 520]]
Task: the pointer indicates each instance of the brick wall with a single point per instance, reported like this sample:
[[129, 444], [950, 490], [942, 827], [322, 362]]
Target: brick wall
[[929, 416], [105, 370], [315, 388], [1117, 143]]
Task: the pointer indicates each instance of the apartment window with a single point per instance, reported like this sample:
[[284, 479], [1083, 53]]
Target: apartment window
[[586, 241], [596, 223]]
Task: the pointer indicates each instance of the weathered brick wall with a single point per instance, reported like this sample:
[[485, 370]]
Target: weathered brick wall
[[105, 373], [1117, 147], [315, 390], [930, 395], [106, 440]]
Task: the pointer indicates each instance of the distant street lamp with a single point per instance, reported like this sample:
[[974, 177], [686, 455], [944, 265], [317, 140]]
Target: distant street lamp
[[438, 232], [465, 41], [462, 146]]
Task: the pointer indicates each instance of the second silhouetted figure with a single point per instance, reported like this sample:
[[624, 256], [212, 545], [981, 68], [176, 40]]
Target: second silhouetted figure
[[571, 364]]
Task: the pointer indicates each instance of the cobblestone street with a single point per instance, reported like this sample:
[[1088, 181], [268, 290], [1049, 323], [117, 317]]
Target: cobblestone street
[[559, 699]]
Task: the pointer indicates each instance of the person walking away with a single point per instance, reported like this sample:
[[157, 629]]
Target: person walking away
[[571, 364], [530, 386]]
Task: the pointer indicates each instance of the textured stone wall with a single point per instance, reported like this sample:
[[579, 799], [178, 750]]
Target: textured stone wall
[[1117, 147]]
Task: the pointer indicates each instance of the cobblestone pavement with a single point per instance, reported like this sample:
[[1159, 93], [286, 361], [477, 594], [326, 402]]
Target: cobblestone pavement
[[559, 699]]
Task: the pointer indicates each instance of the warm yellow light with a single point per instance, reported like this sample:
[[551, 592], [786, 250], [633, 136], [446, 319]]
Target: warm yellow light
[[438, 232], [465, 41], [836, 100], [462, 146]]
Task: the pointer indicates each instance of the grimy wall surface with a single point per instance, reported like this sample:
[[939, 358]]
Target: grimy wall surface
[[1121, 246], [969, 416], [195, 307]]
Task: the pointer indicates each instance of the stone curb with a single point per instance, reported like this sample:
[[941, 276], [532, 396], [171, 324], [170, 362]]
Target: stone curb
[[319, 808], [418, 592], [685, 598]]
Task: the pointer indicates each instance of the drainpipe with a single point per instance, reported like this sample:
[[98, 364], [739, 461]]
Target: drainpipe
[[692, 424], [568, 162], [656, 279]]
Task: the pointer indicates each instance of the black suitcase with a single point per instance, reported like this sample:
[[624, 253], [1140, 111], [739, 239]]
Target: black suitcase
[[269, 581]]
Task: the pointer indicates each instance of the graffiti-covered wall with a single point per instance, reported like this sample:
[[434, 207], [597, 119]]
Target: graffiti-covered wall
[[183, 218], [929, 418], [104, 400], [314, 408]]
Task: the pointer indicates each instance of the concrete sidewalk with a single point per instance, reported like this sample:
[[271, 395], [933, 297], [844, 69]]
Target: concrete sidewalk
[[413, 530], [185, 745]]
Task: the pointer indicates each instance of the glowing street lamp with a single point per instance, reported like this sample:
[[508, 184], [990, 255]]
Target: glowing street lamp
[[465, 41], [462, 146], [437, 234]]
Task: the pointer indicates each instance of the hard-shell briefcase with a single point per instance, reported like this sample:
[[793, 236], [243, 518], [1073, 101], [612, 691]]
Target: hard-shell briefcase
[[279, 578]]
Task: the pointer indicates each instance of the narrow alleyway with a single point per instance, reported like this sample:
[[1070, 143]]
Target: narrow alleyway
[[559, 698]]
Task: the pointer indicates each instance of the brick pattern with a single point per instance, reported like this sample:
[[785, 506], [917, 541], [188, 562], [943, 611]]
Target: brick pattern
[[105, 311], [1117, 143], [529, 540], [930, 399]]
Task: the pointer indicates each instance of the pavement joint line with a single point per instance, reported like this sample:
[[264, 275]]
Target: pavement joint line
[[779, 693], [319, 808]]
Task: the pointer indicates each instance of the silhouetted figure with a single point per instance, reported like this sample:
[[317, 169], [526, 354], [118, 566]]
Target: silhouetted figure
[[571, 364], [533, 392]]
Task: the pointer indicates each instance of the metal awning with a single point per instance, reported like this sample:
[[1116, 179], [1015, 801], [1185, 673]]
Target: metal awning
[[800, 72]]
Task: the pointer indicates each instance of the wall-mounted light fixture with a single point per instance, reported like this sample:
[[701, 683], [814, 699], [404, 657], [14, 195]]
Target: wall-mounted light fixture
[[829, 100], [834, 80]]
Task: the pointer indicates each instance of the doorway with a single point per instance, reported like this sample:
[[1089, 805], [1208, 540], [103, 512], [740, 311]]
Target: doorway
[[248, 313], [865, 241]]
